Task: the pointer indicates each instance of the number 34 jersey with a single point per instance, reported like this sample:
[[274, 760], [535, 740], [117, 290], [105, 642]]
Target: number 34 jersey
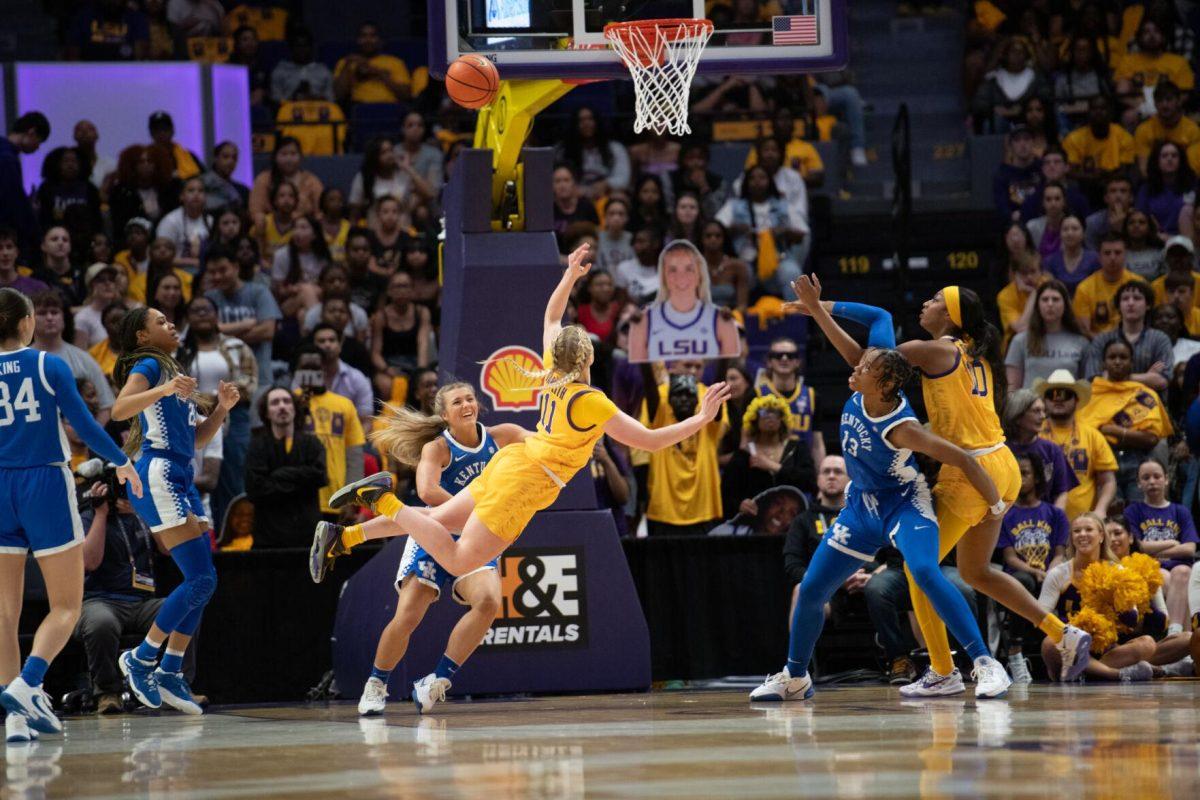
[[34, 386], [960, 404], [872, 462]]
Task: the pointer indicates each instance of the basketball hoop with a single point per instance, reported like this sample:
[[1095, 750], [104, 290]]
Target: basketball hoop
[[661, 55]]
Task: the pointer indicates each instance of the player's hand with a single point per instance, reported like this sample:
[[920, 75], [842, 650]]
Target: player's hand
[[181, 386], [580, 261], [128, 477], [228, 395], [713, 400]]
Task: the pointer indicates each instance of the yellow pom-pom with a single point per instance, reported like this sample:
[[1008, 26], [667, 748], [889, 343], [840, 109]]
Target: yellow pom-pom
[[1147, 567], [1129, 589], [1096, 586], [1102, 629]]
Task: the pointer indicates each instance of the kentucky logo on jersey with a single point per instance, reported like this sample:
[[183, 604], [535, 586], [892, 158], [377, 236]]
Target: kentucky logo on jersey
[[505, 385], [543, 600]]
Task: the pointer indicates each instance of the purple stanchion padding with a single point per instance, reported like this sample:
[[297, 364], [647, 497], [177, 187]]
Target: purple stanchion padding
[[570, 620]]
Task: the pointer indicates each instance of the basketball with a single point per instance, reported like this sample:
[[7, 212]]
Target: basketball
[[472, 81]]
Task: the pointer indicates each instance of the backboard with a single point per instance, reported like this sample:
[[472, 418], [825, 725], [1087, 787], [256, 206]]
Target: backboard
[[565, 38]]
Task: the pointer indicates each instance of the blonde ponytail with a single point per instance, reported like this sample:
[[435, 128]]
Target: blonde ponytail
[[402, 432]]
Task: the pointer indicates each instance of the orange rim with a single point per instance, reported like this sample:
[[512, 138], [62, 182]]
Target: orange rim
[[671, 29]]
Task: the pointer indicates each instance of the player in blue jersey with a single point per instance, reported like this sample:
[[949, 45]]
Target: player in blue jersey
[[888, 499], [38, 511], [157, 395], [449, 451]]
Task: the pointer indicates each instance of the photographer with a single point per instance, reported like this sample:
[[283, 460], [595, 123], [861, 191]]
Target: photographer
[[118, 589]]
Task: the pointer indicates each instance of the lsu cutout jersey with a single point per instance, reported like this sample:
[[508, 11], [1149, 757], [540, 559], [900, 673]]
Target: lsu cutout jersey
[[672, 335], [466, 462], [960, 404]]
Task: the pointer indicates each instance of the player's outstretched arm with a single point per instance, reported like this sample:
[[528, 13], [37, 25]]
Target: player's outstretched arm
[[578, 264], [880, 329], [912, 436], [628, 431]]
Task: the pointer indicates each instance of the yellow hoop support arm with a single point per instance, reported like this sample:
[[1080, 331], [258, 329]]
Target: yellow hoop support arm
[[504, 125]]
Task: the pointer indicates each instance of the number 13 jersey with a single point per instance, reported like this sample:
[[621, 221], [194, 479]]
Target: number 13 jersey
[[960, 403]]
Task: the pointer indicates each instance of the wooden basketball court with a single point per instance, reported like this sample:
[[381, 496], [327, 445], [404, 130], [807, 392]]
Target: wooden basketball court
[[1128, 742]]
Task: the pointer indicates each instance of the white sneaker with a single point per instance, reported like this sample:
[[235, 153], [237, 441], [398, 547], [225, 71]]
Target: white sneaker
[[1183, 668], [1134, 673], [374, 698], [990, 678], [782, 686], [33, 703], [931, 684], [429, 691], [858, 156], [1018, 665], [1074, 649], [17, 730]]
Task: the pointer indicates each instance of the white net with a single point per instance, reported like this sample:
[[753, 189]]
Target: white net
[[662, 58]]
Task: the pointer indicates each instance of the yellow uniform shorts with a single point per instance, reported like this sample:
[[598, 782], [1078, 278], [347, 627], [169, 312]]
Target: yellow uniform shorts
[[510, 490], [955, 494]]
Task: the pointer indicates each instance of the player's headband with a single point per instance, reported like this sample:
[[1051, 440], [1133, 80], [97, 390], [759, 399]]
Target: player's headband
[[953, 307]]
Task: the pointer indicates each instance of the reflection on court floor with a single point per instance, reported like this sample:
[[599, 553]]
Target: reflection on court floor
[[1131, 741]]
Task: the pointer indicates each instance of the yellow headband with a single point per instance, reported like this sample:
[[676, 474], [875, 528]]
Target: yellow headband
[[953, 308]]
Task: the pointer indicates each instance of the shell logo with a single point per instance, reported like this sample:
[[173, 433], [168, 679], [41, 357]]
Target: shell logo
[[504, 383]]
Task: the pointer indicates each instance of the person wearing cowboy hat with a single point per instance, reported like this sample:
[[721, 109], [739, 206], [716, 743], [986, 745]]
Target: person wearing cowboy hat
[[1086, 450]]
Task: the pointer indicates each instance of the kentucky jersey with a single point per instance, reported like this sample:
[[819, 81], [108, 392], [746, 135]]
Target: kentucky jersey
[[672, 335], [169, 424], [887, 494], [873, 463], [960, 403], [33, 387], [466, 462]]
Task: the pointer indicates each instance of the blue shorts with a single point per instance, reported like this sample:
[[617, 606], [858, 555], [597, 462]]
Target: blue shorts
[[169, 494], [422, 567], [38, 511], [871, 520]]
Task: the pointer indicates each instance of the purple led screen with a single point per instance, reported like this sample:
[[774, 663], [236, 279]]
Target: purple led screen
[[119, 99], [231, 114]]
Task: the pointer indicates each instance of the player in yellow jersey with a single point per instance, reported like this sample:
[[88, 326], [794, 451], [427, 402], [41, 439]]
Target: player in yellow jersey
[[963, 383], [525, 477]]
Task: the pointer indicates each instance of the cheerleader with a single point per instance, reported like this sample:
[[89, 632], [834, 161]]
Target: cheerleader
[[38, 511], [1134, 656], [155, 392], [449, 451]]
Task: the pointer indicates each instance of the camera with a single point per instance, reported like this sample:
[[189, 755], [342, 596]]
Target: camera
[[94, 470]]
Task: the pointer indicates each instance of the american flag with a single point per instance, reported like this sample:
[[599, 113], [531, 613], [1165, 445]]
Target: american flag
[[796, 29]]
